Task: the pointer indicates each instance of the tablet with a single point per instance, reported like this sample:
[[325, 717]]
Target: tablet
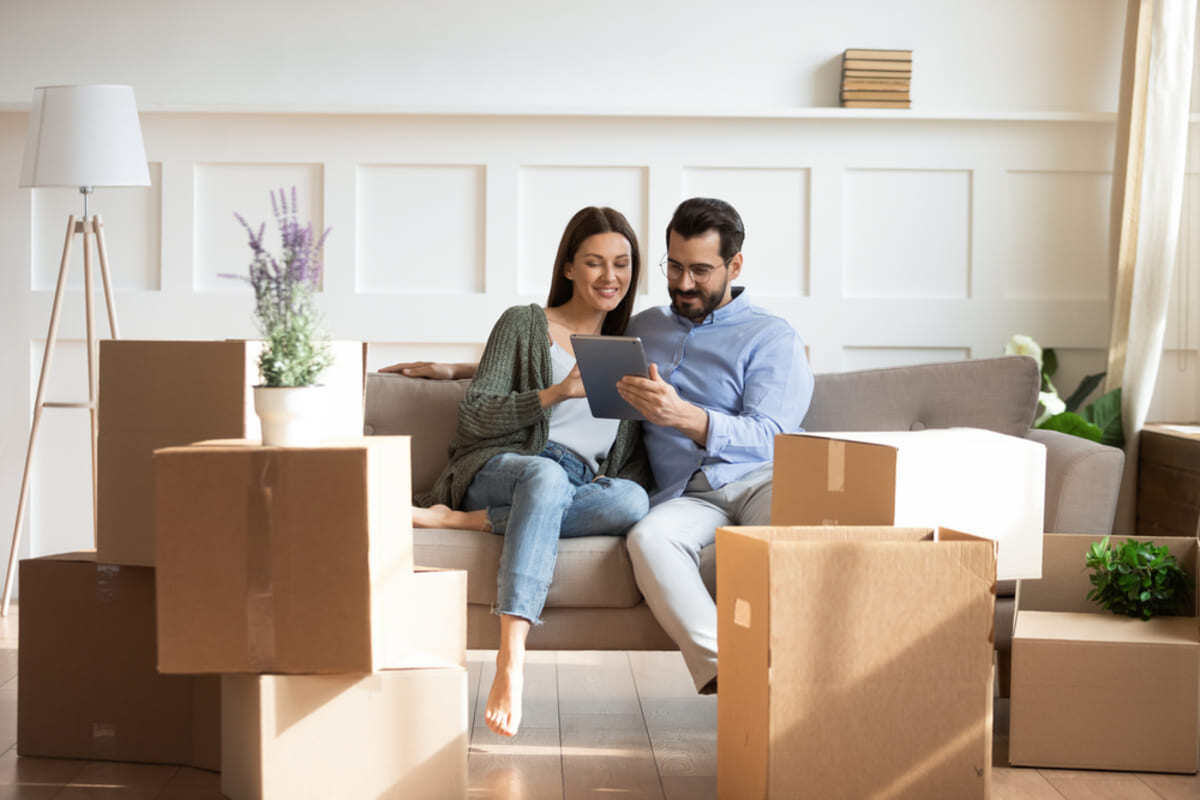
[[604, 360]]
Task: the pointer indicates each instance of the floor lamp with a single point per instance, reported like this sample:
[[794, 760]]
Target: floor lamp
[[81, 137]]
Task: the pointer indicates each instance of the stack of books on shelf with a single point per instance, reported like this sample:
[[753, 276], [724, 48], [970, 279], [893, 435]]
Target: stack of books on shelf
[[876, 79]]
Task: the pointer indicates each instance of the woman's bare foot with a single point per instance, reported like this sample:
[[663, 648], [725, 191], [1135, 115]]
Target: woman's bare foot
[[503, 713], [441, 516]]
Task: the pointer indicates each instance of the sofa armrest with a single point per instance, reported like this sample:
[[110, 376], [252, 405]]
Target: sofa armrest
[[1083, 479]]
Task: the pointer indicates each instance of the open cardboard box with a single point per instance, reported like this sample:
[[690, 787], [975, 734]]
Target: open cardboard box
[[1094, 690], [394, 734], [963, 478], [87, 686], [297, 560], [854, 662], [163, 393]]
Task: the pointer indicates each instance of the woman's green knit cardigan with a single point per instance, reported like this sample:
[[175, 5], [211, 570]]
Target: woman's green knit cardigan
[[502, 412]]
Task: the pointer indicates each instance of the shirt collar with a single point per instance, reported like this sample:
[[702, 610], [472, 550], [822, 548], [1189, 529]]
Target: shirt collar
[[734, 307]]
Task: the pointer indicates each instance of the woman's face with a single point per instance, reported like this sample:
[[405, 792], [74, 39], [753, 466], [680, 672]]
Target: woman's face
[[601, 271]]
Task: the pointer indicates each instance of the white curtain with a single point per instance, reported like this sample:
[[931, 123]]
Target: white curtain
[[1148, 190]]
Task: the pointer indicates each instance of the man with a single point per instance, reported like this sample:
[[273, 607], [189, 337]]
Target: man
[[726, 378]]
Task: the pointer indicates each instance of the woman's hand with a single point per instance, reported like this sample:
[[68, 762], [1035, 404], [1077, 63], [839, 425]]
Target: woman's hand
[[434, 370], [572, 385], [566, 389]]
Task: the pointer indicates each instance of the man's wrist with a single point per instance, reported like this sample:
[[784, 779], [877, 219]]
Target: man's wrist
[[694, 423]]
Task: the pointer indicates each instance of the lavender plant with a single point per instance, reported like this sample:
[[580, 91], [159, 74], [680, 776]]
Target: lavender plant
[[285, 311]]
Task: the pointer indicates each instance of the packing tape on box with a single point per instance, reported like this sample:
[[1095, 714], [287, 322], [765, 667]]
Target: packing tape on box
[[107, 576], [104, 740], [260, 590], [835, 467]]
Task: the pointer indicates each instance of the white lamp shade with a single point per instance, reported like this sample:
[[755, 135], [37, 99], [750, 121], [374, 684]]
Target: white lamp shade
[[84, 136]]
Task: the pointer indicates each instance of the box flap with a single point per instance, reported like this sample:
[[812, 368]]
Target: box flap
[[743, 628]]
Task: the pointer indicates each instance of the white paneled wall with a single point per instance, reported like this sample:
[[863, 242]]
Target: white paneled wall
[[884, 241], [548, 196], [776, 199]]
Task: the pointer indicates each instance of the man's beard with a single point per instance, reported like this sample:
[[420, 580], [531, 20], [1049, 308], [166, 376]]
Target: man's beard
[[709, 300]]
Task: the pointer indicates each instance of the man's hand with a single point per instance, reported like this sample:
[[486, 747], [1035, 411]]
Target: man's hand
[[434, 370], [661, 404]]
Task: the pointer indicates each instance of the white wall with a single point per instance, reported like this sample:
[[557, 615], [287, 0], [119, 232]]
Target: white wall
[[973, 54], [884, 240]]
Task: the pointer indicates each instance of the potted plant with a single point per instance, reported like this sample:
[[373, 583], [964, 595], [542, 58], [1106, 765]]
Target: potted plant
[[1138, 579], [1099, 420], [289, 401]]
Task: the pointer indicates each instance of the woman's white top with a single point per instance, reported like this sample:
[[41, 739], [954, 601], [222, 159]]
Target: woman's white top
[[571, 422]]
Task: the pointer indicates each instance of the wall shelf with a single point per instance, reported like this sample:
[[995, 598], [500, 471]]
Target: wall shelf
[[817, 113]]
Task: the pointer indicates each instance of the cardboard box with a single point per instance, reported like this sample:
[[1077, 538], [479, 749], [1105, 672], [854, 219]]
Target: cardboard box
[[160, 394], [297, 560], [87, 686], [854, 662], [395, 734], [967, 479], [1094, 690], [1168, 499]]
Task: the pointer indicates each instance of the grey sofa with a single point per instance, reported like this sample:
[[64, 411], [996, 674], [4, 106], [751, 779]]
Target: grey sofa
[[594, 603]]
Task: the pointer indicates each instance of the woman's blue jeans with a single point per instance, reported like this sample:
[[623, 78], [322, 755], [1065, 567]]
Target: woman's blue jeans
[[533, 501]]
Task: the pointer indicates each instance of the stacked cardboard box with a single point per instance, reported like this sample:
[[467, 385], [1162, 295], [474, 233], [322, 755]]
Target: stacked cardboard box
[[876, 79], [854, 662], [1092, 690], [289, 572], [973, 480], [866, 625], [88, 685]]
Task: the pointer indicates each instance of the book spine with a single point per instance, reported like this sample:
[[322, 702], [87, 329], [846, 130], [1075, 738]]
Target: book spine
[[874, 74], [876, 96], [877, 66], [880, 55], [876, 104], [878, 84]]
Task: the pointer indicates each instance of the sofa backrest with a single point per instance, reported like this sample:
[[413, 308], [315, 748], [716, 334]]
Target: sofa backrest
[[998, 394]]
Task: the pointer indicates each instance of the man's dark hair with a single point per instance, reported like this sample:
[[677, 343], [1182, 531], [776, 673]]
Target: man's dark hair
[[699, 215]]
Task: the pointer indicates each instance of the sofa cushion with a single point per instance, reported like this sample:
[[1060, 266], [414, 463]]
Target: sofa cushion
[[424, 409], [591, 572], [997, 394]]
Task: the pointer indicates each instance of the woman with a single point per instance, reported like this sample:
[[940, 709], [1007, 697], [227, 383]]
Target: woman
[[528, 459]]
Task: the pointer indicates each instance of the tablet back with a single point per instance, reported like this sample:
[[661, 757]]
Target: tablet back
[[604, 360]]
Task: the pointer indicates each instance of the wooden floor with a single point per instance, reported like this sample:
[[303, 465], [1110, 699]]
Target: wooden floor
[[599, 725]]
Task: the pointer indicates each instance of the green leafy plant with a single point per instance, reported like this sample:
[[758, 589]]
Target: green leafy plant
[[297, 349], [1138, 579], [1099, 421]]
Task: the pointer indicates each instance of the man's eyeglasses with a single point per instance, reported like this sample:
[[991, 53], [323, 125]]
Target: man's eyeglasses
[[701, 273]]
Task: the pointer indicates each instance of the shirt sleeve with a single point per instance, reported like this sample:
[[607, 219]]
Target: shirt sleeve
[[778, 388]]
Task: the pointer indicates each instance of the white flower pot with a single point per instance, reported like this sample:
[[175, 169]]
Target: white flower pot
[[291, 416]]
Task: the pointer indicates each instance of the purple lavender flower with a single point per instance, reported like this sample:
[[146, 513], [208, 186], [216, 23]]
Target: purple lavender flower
[[284, 296]]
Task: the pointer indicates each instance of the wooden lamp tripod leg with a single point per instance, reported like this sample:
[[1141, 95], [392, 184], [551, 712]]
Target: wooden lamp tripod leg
[[38, 405]]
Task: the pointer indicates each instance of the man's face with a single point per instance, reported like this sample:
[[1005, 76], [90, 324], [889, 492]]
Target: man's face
[[698, 279]]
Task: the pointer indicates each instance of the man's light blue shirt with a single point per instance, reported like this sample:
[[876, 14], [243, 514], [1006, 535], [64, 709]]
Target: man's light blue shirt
[[743, 366]]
